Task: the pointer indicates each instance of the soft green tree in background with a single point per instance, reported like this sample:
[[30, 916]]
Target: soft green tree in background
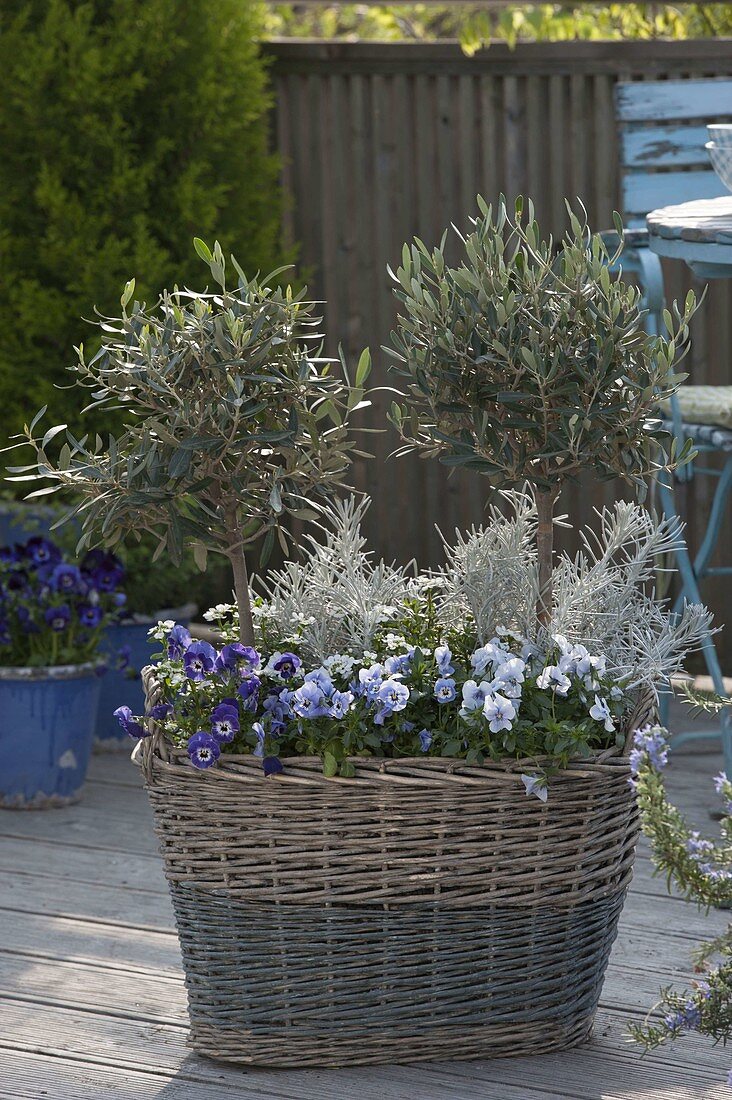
[[126, 129]]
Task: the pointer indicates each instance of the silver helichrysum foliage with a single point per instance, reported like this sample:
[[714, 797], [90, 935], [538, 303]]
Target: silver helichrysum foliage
[[334, 595], [603, 597]]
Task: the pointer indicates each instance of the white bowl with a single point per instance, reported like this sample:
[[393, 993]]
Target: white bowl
[[721, 158], [721, 132]]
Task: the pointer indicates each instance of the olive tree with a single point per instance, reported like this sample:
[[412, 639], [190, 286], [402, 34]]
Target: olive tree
[[531, 364], [233, 421]]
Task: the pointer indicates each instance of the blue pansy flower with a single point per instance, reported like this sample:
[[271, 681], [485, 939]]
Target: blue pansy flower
[[89, 614], [41, 551], [108, 577], [445, 690], [258, 730], [119, 599], [58, 618], [225, 722], [272, 765], [308, 700], [394, 666], [128, 723], [203, 749], [277, 706], [425, 740], [199, 660], [393, 695], [340, 703], [178, 641], [65, 578], [443, 657], [370, 680], [320, 677]]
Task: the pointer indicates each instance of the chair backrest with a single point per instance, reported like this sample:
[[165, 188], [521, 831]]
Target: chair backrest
[[662, 130]]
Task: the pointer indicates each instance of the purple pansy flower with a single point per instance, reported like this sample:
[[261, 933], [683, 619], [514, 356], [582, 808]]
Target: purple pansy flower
[[287, 665], [225, 723], [272, 765], [203, 749], [128, 723], [58, 618], [236, 654], [199, 659], [425, 740], [249, 691], [160, 711], [178, 641]]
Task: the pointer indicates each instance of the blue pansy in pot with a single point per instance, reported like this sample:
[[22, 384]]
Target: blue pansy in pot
[[52, 616]]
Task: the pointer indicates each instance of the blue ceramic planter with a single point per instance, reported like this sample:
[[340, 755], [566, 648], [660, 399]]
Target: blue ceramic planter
[[122, 687], [46, 733]]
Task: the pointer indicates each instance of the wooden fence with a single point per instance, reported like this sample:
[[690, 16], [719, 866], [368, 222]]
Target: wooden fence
[[383, 141]]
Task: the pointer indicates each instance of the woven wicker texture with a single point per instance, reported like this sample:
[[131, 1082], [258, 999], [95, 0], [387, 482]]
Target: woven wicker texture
[[307, 985], [424, 909]]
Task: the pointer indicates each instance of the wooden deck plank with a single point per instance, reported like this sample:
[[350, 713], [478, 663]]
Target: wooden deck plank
[[94, 1002]]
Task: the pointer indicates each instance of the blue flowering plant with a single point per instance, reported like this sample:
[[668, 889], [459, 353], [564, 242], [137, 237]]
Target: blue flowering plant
[[701, 869], [53, 610], [418, 692]]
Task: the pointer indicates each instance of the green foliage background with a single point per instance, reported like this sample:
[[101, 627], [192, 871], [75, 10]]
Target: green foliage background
[[126, 129], [476, 24]]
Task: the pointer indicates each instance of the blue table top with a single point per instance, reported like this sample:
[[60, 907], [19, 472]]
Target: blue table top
[[700, 233]]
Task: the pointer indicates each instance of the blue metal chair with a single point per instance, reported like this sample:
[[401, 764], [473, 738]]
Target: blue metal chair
[[662, 131]]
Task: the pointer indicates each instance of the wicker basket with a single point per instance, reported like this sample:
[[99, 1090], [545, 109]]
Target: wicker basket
[[423, 910]]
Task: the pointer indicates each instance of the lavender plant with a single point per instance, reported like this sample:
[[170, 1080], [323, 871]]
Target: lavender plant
[[702, 870], [529, 366], [233, 421]]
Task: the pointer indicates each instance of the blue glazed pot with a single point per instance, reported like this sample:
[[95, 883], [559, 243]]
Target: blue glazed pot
[[46, 733], [19, 521], [122, 687]]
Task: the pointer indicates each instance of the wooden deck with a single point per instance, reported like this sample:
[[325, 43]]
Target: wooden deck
[[93, 1003]]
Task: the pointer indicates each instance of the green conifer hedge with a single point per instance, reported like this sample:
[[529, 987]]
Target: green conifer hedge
[[126, 129]]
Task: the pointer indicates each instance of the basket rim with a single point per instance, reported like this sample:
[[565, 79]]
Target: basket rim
[[407, 770]]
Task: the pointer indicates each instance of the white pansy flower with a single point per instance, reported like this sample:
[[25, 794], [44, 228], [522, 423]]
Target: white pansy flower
[[553, 678]]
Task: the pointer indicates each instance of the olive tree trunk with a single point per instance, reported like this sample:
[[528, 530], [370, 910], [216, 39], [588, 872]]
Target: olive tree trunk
[[235, 554], [545, 550]]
